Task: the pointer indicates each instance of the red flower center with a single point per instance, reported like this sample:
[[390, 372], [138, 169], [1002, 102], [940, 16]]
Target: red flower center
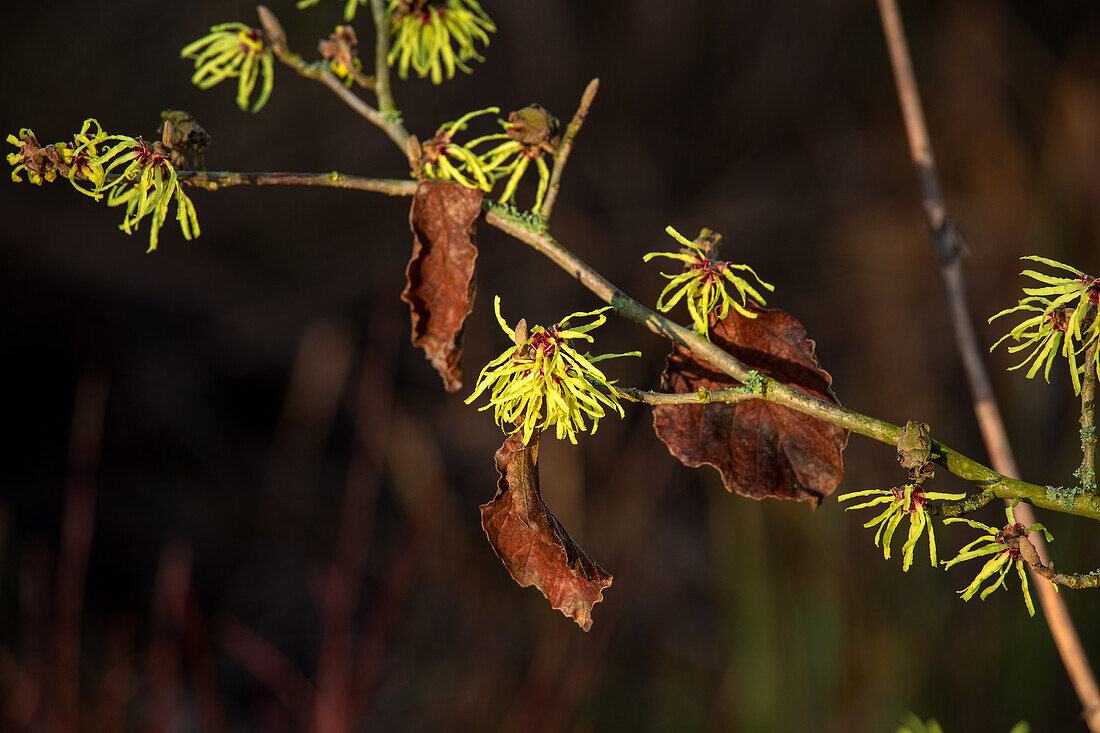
[[709, 272], [916, 498]]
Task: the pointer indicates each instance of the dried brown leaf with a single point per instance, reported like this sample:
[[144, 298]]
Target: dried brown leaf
[[440, 274], [532, 543], [761, 448]]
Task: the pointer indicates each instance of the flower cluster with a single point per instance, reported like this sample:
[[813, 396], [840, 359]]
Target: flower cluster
[[702, 284], [1060, 320], [130, 171], [528, 133], [340, 50], [543, 381], [234, 50], [443, 158], [907, 501], [38, 162], [431, 37], [1004, 546]]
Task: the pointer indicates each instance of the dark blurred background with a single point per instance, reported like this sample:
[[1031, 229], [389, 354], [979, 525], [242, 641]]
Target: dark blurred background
[[283, 502]]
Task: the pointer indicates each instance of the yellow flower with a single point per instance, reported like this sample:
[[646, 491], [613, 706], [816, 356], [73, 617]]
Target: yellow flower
[[234, 50], [430, 38], [542, 381], [1060, 307], [702, 284], [528, 133], [138, 174], [1003, 545], [446, 160], [905, 501]]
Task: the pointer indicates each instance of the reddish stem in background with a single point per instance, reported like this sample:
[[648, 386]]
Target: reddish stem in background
[[77, 522]]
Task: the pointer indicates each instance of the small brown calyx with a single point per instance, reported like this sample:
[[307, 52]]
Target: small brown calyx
[[405, 8], [536, 129], [47, 162], [1028, 553], [916, 451], [521, 332], [1059, 319], [1010, 537], [707, 241], [430, 150], [273, 29], [184, 138]]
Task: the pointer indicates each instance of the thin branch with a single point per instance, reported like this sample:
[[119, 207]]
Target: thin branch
[[385, 120], [1070, 580], [562, 154], [702, 397], [1086, 474], [215, 180], [381, 65], [972, 503], [949, 245]]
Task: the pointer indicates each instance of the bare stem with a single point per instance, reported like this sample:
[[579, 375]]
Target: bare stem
[[562, 155], [702, 397], [215, 180], [949, 245], [386, 119], [1070, 580], [972, 503], [1086, 474]]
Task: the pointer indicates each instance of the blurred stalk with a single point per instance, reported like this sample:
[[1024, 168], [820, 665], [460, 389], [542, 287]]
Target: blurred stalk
[[343, 581], [749, 690], [949, 247], [77, 522]]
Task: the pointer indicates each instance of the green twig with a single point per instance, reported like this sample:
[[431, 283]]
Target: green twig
[[381, 66], [1086, 474], [702, 397], [562, 154], [971, 503]]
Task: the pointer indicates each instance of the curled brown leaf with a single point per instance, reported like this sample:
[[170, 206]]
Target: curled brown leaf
[[532, 543], [440, 274]]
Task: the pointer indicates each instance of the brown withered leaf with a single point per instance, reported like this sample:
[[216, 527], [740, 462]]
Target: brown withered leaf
[[761, 449], [532, 543], [440, 274]]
